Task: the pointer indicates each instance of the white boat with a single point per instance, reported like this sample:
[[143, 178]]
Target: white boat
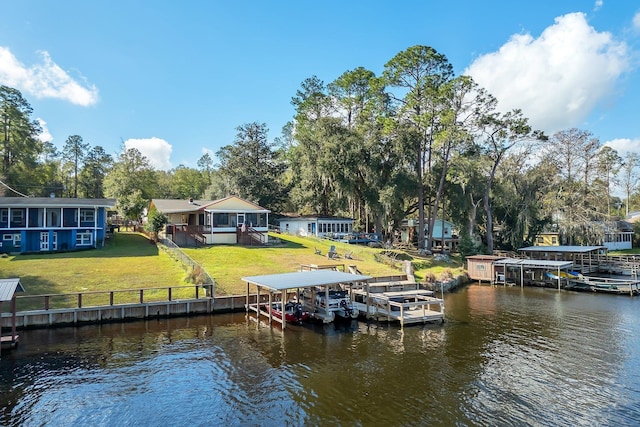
[[327, 304]]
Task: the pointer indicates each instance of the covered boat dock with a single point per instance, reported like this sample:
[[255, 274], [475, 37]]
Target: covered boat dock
[[274, 286], [585, 259], [8, 289], [531, 271]]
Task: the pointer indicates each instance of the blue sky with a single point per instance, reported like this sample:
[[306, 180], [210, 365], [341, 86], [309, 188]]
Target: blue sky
[[175, 79]]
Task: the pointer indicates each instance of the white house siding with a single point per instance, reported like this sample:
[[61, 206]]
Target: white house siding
[[319, 227], [618, 241], [298, 228], [222, 238]]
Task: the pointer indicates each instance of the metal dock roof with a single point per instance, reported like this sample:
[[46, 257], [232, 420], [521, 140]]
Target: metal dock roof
[[8, 287], [563, 249], [534, 263], [304, 279]]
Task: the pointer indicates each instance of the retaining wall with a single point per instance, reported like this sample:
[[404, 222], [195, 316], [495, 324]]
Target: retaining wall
[[118, 313]]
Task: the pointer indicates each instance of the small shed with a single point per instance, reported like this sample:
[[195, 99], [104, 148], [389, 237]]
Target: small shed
[[482, 267], [8, 289]]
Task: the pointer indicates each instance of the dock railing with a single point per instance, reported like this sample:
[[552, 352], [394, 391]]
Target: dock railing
[[112, 298], [175, 252]]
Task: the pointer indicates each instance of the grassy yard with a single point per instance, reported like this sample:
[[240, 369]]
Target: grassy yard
[[633, 251], [129, 261], [227, 264]]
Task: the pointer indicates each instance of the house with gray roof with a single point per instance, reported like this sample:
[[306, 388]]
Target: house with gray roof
[[317, 226], [230, 220], [51, 224]]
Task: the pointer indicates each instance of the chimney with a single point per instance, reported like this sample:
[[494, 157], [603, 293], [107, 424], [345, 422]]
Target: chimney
[[190, 200]]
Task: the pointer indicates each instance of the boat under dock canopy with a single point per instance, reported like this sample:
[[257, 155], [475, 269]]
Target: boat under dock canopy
[[282, 284], [534, 268], [585, 259]]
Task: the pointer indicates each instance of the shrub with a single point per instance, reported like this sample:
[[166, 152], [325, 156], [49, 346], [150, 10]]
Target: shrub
[[196, 275], [446, 275], [155, 222], [429, 277]]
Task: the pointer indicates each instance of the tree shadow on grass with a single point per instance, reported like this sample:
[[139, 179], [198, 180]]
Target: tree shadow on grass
[[33, 285], [121, 244], [286, 245]]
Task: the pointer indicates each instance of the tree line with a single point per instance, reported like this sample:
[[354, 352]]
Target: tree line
[[416, 141]]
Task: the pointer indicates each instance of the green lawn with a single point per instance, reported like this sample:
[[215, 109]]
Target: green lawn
[[633, 251], [227, 264], [129, 261]]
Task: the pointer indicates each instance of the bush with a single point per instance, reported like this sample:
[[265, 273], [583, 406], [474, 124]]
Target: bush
[[196, 275], [429, 277], [155, 222], [446, 275], [466, 247]]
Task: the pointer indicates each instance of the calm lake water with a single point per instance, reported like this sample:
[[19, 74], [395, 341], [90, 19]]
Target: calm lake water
[[505, 356]]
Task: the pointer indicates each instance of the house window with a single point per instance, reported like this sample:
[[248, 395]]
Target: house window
[[17, 217], [53, 217], [309, 227], [251, 219], [84, 239], [4, 215], [220, 219], [87, 215], [7, 237], [481, 267], [540, 239], [554, 240], [17, 240]]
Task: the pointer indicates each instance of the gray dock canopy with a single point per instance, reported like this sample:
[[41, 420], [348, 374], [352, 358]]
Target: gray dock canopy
[[8, 287], [563, 249], [304, 279]]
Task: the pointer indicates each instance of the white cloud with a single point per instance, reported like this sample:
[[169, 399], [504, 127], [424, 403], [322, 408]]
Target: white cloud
[[636, 21], [208, 151], [556, 79], [157, 150], [598, 4], [45, 135], [624, 146], [45, 80]]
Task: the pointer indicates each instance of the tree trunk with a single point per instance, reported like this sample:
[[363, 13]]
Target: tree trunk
[[487, 208], [420, 203], [487, 204]]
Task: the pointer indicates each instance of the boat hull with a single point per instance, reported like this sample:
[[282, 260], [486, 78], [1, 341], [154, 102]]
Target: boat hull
[[293, 313]]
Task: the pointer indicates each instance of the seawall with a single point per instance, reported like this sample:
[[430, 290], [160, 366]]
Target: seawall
[[125, 312]]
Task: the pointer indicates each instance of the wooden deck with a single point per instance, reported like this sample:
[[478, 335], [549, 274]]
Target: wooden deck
[[407, 307]]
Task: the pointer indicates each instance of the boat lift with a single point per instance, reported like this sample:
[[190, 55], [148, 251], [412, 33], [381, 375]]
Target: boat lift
[[282, 284]]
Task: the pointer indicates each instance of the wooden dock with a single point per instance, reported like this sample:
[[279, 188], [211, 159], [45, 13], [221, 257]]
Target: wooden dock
[[402, 302]]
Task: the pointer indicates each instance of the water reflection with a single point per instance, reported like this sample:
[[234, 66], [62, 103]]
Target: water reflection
[[505, 356]]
